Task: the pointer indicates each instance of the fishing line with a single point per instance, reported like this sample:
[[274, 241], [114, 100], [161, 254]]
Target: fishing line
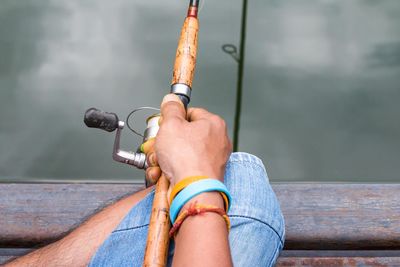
[[132, 113], [201, 6]]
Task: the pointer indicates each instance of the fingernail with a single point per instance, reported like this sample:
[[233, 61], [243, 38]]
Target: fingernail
[[170, 97], [150, 178], [148, 173], [151, 159]]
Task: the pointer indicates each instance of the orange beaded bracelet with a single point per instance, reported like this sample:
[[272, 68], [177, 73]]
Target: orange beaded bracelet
[[196, 209]]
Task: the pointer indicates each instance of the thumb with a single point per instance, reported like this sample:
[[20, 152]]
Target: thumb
[[172, 107]]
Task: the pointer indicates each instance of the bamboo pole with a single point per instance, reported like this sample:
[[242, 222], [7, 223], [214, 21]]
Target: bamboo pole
[[156, 253]]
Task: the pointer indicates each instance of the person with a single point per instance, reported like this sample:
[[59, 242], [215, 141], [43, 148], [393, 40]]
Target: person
[[188, 144]]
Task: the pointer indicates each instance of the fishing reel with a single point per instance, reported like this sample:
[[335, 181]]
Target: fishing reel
[[108, 121]]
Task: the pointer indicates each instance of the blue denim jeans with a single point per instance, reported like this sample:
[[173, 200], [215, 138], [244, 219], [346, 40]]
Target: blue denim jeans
[[256, 236]]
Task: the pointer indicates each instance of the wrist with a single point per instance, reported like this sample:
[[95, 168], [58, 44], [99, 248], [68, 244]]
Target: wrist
[[210, 208], [195, 192]]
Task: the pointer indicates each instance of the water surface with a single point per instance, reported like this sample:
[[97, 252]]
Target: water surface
[[321, 85]]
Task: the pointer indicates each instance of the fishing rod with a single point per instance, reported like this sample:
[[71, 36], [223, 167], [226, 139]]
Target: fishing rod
[[156, 253]]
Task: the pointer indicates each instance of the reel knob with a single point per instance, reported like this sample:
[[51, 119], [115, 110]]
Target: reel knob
[[95, 118]]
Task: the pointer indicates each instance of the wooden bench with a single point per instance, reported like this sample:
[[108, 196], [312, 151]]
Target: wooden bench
[[326, 224]]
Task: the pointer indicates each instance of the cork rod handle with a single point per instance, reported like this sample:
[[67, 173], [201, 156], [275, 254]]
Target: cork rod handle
[[185, 59], [156, 253]]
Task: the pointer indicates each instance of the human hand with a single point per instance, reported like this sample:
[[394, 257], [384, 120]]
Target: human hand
[[192, 147]]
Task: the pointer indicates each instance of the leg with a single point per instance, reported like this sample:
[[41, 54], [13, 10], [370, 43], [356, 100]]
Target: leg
[[77, 248], [257, 233], [126, 244]]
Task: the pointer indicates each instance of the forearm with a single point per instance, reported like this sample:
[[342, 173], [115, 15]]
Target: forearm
[[202, 240], [77, 248]]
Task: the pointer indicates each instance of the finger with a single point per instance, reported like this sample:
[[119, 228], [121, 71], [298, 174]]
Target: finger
[[195, 114], [152, 159], [172, 107], [148, 146], [153, 174]]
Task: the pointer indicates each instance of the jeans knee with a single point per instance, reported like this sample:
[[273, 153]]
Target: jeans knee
[[252, 194]]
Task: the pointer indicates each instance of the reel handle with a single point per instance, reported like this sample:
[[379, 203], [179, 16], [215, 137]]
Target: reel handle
[[95, 118]]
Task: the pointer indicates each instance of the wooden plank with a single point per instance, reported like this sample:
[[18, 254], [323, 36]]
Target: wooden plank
[[312, 259], [4, 259], [311, 262], [341, 216], [318, 216], [339, 261], [339, 253], [40, 213], [7, 254]]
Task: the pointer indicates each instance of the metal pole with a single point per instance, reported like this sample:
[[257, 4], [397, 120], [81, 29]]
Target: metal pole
[[239, 88]]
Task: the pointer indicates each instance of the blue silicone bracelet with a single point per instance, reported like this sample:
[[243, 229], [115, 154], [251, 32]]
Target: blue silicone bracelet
[[194, 189]]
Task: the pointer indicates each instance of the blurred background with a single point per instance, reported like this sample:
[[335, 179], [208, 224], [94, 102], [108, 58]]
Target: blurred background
[[320, 95]]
